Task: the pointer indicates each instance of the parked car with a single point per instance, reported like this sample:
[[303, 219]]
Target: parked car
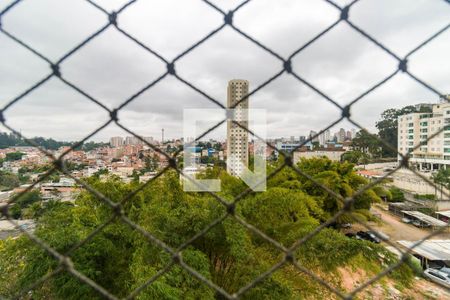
[[438, 276], [406, 220], [445, 270], [368, 236], [420, 224], [346, 225], [353, 235]]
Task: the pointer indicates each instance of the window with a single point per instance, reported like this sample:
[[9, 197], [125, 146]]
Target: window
[[423, 123], [437, 275], [411, 124], [410, 130]]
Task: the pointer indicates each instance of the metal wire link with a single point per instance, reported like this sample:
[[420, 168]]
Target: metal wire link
[[112, 20]]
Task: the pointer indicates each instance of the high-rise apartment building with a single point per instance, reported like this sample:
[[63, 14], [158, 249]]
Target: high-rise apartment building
[[312, 135], [116, 141], [322, 140], [132, 140], [327, 135], [237, 137], [415, 128], [341, 135], [348, 135]]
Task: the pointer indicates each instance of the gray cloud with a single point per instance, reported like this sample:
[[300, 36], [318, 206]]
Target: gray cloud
[[111, 68]]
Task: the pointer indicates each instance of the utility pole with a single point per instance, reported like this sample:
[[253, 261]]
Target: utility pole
[[162, 136]]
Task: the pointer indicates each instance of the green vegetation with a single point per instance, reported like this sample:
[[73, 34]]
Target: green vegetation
[[11, 140], [121, 259], [27, 204], [12, 156], [367, 143], [355, 157], [383, 193], [387, 131], [442, 179], [8, 181], [397, 194], [425, 196], [388, 127]]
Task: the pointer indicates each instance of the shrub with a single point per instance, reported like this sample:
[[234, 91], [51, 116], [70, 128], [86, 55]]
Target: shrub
[[397, 195]]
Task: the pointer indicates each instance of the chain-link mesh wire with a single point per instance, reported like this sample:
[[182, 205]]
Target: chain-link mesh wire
[[111, 18]]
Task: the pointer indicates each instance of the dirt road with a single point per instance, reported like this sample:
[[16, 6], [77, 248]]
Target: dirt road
[[397, 230]]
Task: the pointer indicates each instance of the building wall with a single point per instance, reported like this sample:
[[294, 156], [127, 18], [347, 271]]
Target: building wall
[[116, 141], [237, 138], [416, 128], [407, 180]]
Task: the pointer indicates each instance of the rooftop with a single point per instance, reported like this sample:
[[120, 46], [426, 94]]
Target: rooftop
[[430, 249], [425, 218]]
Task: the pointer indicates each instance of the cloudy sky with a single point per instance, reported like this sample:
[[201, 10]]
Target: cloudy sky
[[342, 64]]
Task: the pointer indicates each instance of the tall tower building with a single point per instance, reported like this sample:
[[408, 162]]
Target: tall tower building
[[327, 135], [341, 135], [237, 138]]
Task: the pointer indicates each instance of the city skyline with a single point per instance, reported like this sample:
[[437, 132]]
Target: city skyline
[[293, 108]]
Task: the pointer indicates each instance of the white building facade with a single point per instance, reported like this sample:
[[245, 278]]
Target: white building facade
[[416, 128], [116, 141]]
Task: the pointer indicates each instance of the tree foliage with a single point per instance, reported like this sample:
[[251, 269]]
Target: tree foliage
[[367, 143], [122, 259], [355, 157], [388, 125], [397, 195], [23, 201], [12, 140], [12, 156], [8, 180], [442, 179]]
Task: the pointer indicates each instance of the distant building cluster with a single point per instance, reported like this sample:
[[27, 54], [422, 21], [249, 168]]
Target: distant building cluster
[[118, 141], [325, 137], [128, 161]]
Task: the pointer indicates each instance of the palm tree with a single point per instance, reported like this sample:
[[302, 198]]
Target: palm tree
[[442, 178]]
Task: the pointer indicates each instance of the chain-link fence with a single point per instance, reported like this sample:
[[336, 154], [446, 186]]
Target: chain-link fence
[[112, 19]]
